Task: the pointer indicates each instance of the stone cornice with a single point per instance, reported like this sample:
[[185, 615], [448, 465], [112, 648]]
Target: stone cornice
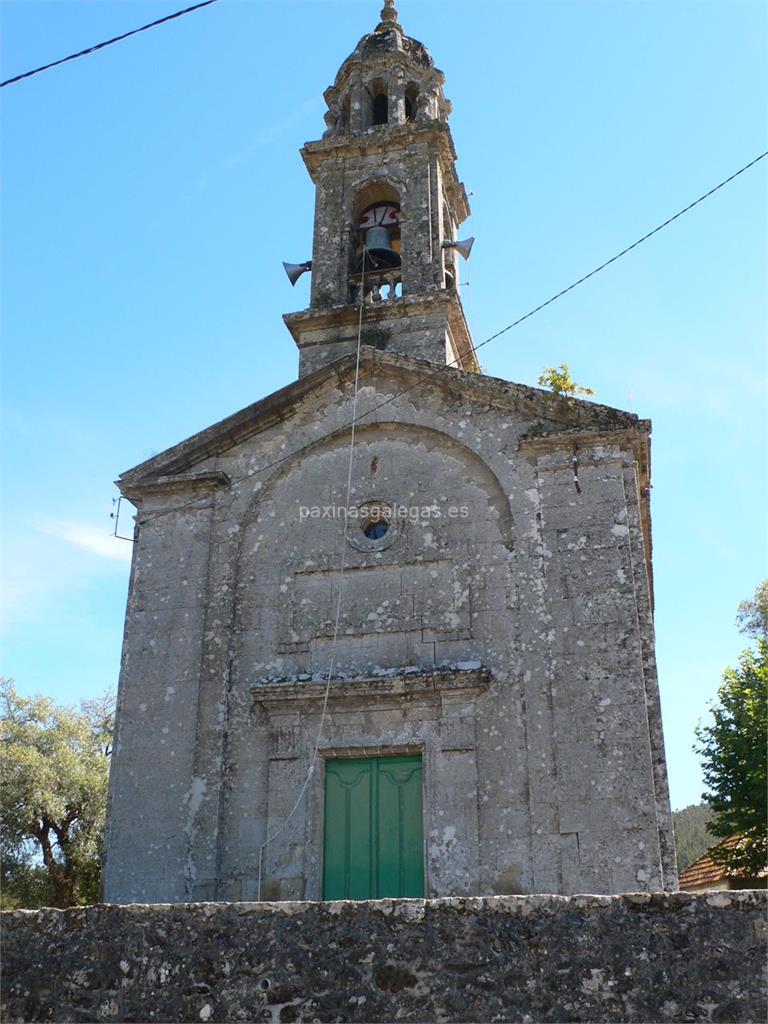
[[446, 302], [566, 439], [379, 139], [414, 687], [384, 139], [338, 316], [177, 483], [635, 439]]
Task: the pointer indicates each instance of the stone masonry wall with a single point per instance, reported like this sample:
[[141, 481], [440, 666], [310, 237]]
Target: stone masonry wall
[[547, 778], [638, 957]]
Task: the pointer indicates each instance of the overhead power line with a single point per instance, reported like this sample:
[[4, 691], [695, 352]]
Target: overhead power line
[[569, 288], [498, 334], [107, 42], [624, 252]]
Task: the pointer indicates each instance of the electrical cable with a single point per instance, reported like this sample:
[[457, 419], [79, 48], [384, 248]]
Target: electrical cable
[[493, 337], [107, 42], [342, 567], [581, 280]]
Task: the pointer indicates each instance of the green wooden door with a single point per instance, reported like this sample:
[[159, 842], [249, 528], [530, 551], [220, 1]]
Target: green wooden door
[[374, 844]]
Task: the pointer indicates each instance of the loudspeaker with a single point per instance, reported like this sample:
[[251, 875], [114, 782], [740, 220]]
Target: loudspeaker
[[464, 247], [295, 270]]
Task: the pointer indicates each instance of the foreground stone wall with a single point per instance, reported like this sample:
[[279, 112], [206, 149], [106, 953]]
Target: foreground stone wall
[[637, 957]]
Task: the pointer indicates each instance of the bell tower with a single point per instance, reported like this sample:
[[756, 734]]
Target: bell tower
[[387, 211]]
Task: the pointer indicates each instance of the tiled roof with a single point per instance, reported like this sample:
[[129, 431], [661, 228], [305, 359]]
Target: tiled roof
[[705, 871]]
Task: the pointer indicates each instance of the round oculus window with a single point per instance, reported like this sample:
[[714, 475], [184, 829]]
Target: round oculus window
[[375, 527]]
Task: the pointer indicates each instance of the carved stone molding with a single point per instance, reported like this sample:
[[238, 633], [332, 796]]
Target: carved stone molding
[[284, 742], [414, 687], [457, 734]]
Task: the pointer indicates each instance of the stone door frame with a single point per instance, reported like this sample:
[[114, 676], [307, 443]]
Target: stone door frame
[[438, 724]]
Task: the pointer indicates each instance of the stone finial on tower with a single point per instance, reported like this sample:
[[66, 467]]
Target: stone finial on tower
[[389, 17]]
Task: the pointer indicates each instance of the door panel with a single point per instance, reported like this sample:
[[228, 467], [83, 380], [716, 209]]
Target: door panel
[[401, 856], [374, 842], [347, 867]]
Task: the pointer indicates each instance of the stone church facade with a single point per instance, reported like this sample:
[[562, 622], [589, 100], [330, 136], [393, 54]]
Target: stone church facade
[[464, 650]]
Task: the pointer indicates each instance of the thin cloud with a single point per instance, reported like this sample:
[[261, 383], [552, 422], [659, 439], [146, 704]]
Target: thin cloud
[[51, 566], [87, 537], [272, 132], [266, 137]]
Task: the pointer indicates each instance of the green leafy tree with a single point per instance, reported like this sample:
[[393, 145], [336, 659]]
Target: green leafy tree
[[752, 616], [53, 795], [735, 763], [559, 380]]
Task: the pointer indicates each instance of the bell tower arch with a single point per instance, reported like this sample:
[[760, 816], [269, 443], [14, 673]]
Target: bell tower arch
[[388, 204]]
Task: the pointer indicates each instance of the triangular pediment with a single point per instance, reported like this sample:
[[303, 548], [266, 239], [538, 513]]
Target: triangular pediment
[[550, 416]]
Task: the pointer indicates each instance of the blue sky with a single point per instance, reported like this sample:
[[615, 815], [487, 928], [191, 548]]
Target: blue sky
[[151, 191]]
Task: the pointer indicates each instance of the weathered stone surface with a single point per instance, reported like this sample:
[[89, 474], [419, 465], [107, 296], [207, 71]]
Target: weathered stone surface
[[640, 957], [561, 785]]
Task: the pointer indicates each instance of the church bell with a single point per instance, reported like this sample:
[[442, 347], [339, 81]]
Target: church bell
[[379, 248]]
